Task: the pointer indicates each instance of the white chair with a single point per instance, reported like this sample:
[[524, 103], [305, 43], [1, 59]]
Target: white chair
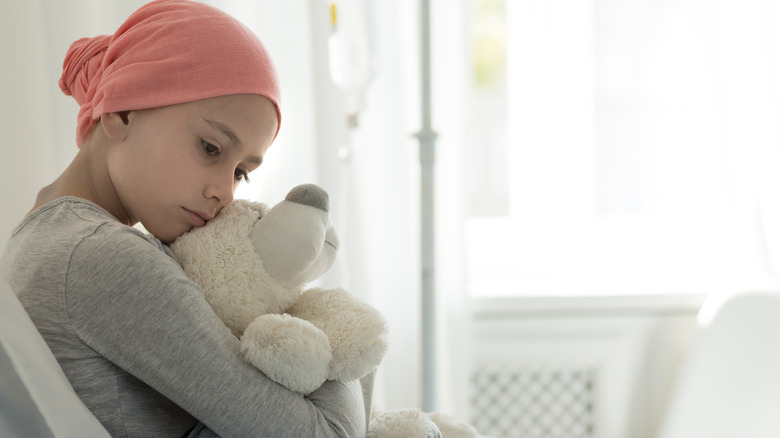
[[729, 386], [36, 399]]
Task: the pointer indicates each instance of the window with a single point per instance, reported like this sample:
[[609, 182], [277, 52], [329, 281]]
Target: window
[[620, 147]]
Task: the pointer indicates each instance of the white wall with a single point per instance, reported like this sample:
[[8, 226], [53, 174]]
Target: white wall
[[28, 159]]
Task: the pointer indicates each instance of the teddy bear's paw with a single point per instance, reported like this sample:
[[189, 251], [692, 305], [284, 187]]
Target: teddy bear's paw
[[403, 423], [357, 331], [289, 350]]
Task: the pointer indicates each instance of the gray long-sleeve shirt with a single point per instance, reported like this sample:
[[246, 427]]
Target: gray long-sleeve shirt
[[139, 343]]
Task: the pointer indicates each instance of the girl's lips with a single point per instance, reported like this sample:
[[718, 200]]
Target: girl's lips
[[198, 218]]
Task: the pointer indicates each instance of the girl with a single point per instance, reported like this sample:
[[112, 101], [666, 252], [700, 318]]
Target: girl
[[176, 108]]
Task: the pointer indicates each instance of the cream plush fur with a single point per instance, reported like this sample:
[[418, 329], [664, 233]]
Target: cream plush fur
[[403, 423], [253, 264]]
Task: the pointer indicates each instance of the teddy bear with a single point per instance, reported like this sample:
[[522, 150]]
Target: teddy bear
[[254, 263], [253, 272]]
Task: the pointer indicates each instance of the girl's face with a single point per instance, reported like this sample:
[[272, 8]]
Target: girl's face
[[177, 166]]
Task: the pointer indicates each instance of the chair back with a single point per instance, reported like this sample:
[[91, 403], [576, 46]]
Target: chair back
[[729, 386]]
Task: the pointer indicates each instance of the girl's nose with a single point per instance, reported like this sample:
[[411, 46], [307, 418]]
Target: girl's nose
[[221, 190]]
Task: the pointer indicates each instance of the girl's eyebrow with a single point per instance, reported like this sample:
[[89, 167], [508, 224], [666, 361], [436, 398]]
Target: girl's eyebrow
[[232, 137], [225, 130]]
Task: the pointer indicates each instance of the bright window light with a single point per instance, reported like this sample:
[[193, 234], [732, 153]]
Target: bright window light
[[623, 147]]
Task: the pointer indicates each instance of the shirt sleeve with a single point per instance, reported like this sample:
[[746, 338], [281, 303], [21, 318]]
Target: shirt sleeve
[[133, 305]]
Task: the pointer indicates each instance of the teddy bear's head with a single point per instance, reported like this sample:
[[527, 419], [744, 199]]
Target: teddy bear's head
[[252, 260]]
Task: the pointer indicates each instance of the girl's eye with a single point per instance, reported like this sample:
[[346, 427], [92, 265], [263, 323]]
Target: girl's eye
[[242, 175], [209, 148]]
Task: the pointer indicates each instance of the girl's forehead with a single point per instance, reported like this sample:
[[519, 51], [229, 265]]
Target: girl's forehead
[[247, 119]]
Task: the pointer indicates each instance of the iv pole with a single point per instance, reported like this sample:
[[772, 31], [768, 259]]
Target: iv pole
[[427, 139], [353, 77]]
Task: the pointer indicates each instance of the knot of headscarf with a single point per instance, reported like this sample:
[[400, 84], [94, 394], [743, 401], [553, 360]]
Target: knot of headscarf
[[167, 52], [82, 68]]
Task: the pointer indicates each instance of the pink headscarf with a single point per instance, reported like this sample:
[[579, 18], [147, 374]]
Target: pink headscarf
[[167, 52]]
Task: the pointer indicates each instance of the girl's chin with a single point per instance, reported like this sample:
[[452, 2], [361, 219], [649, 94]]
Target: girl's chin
[[168, 236]]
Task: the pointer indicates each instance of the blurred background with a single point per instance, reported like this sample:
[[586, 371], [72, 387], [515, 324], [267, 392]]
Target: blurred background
[[601, 170]]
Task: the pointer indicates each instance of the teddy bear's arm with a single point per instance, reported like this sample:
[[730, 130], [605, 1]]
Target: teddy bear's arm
[[357, 332]]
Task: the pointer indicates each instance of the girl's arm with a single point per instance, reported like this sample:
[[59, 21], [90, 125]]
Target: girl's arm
[[133, 305]]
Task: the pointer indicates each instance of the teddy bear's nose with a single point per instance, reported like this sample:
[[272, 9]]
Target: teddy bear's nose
[[309, 194]]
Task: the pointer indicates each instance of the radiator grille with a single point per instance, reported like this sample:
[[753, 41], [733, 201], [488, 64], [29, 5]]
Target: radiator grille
[[533, 403]]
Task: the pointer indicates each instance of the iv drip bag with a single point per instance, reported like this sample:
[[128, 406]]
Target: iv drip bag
[[351, 47]]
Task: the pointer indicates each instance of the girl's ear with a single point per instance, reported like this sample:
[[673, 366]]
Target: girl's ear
[[116, 125]]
